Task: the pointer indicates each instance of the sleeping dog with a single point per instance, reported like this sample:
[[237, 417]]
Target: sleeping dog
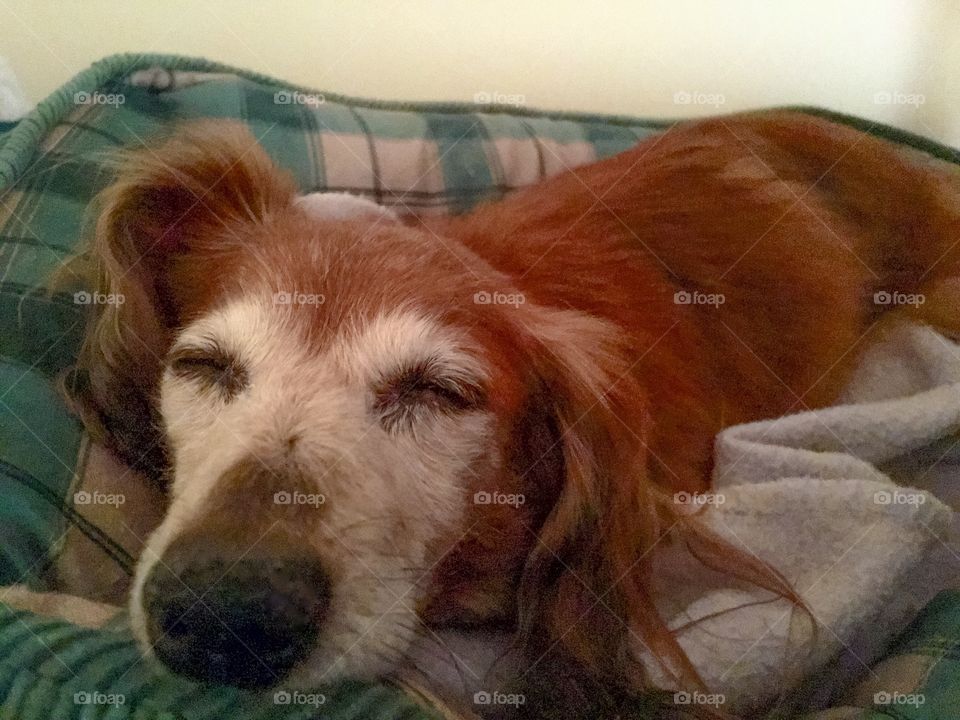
[[370, 425]]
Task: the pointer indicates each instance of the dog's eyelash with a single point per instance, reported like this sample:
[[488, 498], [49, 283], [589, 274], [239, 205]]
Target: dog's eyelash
[[210, 367], [421, 388]]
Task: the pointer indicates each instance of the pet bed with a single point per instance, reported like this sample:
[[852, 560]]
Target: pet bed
[[424, 157]]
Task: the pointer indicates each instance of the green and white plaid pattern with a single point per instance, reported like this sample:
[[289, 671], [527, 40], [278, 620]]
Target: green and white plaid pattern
[[52, 670], [426, 157], [919, 679]]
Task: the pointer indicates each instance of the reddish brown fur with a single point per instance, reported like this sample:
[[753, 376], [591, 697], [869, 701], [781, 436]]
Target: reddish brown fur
[[794, 220]]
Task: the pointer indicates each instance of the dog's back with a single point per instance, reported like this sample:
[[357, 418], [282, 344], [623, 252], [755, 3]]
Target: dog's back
[[750, 259]]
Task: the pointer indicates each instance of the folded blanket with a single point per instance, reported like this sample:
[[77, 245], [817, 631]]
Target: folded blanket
[[834, 500], [806, 494]]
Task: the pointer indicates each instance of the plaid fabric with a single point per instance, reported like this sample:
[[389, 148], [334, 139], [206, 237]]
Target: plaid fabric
[[426, 157], [920, 677], [99, 673]]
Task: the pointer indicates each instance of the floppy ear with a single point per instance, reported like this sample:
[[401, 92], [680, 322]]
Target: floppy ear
[[167, 205], [585, 597]]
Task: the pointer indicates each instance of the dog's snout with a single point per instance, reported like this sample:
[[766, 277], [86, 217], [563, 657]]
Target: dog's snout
[[245, 622]]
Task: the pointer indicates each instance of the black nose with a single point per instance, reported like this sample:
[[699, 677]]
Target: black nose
[[243, 622]]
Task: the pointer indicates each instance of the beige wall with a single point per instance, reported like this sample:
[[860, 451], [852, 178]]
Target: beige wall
[[890, 60]]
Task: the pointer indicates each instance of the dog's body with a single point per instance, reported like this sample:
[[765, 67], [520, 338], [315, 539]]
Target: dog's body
[[574, 347], [747, 263]]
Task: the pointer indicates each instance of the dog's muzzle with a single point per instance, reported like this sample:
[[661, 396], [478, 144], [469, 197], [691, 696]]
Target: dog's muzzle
[[244, 621]]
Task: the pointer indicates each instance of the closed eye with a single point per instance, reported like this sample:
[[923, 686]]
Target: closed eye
[[425, 388], [209, 367]]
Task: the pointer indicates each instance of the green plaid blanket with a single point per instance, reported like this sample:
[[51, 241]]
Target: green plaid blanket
[[427, 157], [52, 670]]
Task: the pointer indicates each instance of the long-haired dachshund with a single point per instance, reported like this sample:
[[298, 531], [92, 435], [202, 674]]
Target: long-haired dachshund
[[370, 424]]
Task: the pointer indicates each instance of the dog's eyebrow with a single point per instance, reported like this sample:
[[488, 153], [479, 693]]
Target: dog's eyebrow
[[426, 384], [209, 364], [430, 371], [203, 344]]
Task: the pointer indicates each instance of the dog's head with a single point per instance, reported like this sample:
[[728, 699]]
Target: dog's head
[[360, 434]]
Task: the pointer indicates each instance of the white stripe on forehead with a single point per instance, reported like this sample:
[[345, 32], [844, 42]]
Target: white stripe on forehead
[[249, 327], [403, 338], [256, 327]]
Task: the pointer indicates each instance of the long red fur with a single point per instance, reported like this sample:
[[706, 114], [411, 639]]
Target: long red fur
[[795, 222]]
